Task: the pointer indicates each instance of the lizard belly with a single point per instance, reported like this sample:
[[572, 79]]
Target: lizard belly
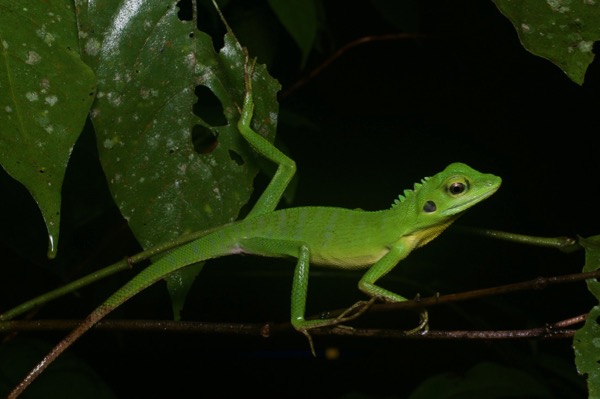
[[347, 259]]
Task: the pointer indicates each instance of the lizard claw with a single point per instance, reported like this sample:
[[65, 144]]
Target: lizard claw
[[310, 342]]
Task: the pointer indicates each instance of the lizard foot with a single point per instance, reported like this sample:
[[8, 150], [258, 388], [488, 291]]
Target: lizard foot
[[423, 326], [351, 313], [355, 310]]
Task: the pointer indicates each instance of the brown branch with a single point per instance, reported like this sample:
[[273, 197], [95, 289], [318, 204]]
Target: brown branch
[[137, 325], [538, 283], [551, 331], [556, 330], [345, 48]]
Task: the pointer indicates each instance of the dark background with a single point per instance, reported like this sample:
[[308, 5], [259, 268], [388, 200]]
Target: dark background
[[381, 116]]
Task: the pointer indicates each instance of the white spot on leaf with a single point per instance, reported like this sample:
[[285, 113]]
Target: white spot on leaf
[[51, 100], [108, 144], [44, 35], [559, 5], [33, 58], [585, 47], [92, 47], [115, 99], [31, 96], [45, 84]]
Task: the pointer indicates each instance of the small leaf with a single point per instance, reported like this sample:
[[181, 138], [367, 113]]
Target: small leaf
[[563, 32], [586, 341], [299, 17], [179, 284], [405, 15], [484, 380], [45, 95]]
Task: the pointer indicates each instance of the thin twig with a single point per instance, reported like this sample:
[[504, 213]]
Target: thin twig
[[119, 266], [550, 331], [538, 283], [345, 48], [240, 328]]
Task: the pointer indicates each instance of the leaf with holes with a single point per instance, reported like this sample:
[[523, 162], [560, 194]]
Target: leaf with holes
[[170, 171], [45, 95]]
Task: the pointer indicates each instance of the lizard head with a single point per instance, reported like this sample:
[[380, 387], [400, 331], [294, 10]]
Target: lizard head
[[456, 189], [437, 201]]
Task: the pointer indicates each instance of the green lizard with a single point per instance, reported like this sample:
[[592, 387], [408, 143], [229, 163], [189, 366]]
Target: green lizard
[[326, 236]]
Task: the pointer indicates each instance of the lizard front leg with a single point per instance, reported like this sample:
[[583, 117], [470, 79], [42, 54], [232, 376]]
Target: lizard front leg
[[367, 283]]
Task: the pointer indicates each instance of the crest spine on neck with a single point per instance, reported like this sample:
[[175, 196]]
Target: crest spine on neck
[[408, 193]]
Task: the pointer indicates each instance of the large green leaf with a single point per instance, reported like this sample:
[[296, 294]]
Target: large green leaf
[[149, 65], [45, 95], [562, 31]]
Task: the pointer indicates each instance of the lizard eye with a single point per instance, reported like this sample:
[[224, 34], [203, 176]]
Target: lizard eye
[[429, 207], [457, 188]]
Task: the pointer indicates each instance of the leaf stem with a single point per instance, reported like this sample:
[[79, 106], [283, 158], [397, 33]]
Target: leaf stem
[[123, 264], [564, 244]]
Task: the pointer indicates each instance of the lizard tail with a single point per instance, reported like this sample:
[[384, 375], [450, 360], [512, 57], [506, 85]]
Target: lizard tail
[[210, 246]]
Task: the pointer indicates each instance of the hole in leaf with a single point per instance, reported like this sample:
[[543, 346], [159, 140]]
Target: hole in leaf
[[208, 107], [237, 158], [203, 139], [186, 10]]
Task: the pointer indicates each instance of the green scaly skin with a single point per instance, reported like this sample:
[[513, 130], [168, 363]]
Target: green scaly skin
[[332, 237]]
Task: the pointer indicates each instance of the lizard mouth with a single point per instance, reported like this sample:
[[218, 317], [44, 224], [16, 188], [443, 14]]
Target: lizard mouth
[[458, 208]]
